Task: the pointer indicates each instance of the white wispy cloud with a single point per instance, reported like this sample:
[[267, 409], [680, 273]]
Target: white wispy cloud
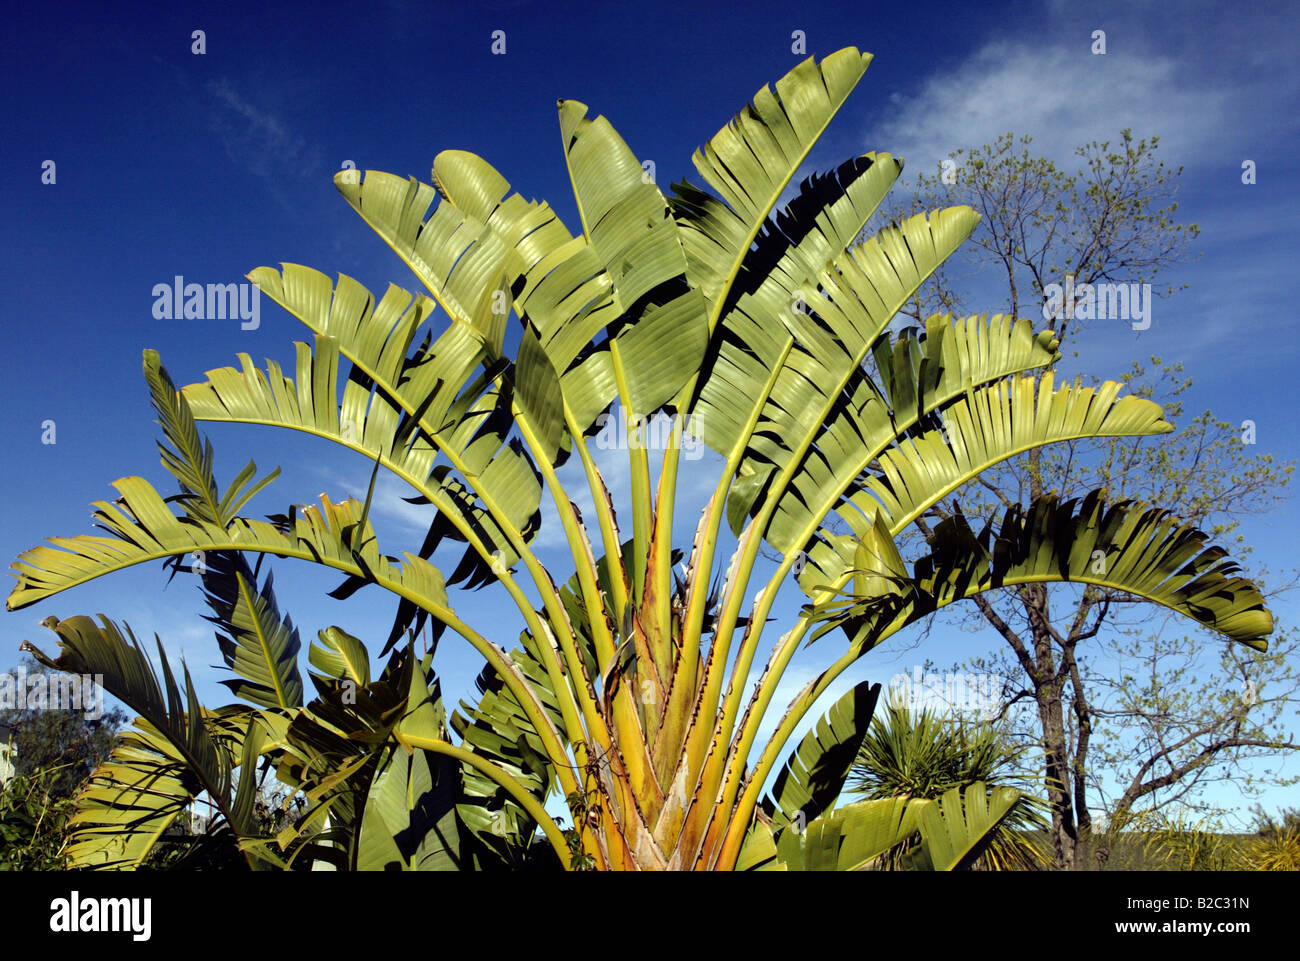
[[259, 139], [1061, 95]]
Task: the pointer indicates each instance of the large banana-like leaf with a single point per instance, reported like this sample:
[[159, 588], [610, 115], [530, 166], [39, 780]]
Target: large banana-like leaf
[[468, 269], [561, 288], [180, 751], [992, 424], [410, 815], [129, 802], [624, 215], [409, 820], [782, 275], [816, 771], [628, 223], [818, 357], [919, 375], [758, 853], [957, 827], [978, 429], [626, 277], [424, 403], [335, 535], [1127, 546], [101, 650], [341, 656], [852, 838], [953, 830], [752, 160], [455, 257], [818, 225]]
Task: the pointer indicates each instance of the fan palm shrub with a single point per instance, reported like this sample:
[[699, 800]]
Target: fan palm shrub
[[924, 754], [769, 336]]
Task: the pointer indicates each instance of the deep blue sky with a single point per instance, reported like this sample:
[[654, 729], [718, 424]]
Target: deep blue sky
[[171, 163]]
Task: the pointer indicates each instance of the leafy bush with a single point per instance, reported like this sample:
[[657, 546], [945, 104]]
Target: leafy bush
[[33, 816]]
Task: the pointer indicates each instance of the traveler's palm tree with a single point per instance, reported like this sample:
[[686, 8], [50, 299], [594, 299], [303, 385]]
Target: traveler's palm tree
[[765, 334]]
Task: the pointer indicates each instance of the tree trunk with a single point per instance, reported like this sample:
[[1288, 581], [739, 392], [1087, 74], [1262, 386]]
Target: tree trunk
[[1058, 781]]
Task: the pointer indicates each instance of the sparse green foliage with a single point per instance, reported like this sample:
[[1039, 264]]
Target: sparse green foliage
[[1112, 217]]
